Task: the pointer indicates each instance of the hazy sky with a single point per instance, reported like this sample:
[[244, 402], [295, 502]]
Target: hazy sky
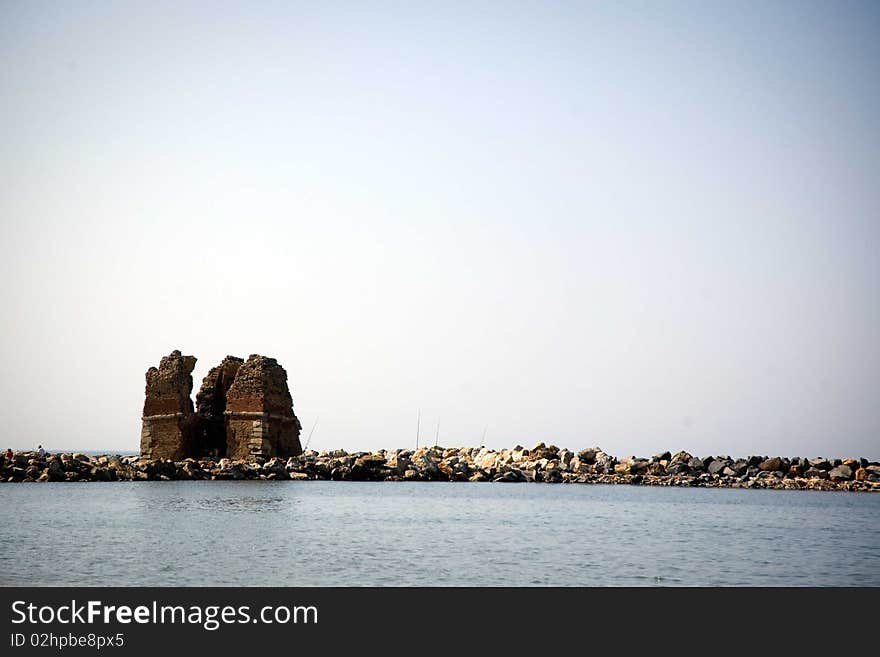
[[639, 225]]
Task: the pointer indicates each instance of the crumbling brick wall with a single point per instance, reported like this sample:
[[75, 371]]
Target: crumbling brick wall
[[168, 426], [259, 412]]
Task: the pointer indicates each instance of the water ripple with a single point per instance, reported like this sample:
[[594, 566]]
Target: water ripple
[[350, 534]]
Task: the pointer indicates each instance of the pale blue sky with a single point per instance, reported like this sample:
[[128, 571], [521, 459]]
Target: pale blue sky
[[642, 225]]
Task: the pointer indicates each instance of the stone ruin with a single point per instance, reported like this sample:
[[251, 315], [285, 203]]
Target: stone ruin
[[169, 422], [243, 411]]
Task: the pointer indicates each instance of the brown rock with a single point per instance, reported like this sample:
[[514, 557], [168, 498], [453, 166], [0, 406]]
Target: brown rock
[[542, 451], [681, 457], [840, 473], [771, 464], [657, 469], [588, 456]]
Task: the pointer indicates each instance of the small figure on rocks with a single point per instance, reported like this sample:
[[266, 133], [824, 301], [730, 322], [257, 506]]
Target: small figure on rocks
[[41, 452], [9, 454]]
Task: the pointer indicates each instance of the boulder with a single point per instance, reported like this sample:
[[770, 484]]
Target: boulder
[[542, 451], [341, 473], [55, 469], [423, 462], [588, 455], [718, 465], [565, 457], [681, 457], [552, 477], [771, 464], [604, 463], [678, 467], [512, 476], [485, 459], [740, 466], [189, 470], [840, 473], [239, 471], [639, 466], [399, 461], [696, 464], [370, 461], [275, 466]]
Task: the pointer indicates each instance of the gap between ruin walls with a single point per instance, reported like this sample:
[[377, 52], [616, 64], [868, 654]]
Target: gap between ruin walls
[[243, 409]]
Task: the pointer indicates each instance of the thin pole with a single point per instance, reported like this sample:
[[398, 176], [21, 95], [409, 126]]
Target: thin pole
[[418, 426], [437, 436], [483, 440], [311, 432]]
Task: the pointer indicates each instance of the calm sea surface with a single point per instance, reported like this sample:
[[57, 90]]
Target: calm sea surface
[[441, 534]]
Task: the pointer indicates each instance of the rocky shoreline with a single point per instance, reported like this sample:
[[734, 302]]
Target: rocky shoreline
[[542, 463]]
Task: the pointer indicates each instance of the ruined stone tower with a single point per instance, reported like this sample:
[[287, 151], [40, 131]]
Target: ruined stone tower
[[243, 411], [259, 412], [168, 422]]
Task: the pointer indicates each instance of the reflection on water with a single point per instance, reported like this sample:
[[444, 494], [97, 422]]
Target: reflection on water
[[350, 534], [219, 504]]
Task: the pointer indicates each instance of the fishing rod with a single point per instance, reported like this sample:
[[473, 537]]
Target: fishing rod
[[311, 432]]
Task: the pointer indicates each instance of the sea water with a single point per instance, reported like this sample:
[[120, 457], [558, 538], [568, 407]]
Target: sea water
[[322, 533]]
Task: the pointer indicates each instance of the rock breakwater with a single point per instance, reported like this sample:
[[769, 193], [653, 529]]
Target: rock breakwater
[[542, 463]]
